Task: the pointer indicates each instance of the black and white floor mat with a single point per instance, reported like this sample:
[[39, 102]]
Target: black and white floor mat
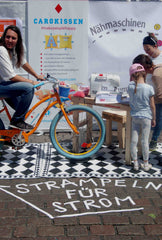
[[42, 160]]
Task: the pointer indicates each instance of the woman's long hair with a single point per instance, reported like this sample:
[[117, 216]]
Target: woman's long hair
[[19, 46]]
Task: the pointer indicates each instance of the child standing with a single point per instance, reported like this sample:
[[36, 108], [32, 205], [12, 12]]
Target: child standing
[[142, 112]]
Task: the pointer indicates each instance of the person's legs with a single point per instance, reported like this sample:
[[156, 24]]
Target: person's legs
[[157, 129], [19, 96], [146, 127], [134, 141]]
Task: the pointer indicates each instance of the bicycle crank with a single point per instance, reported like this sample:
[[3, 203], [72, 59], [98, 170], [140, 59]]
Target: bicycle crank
[[18, 140]]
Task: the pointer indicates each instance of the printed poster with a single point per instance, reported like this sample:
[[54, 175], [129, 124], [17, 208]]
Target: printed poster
[[58, 39], [58, 43]]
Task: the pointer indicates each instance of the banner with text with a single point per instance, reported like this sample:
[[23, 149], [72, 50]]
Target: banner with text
[[58, 41], [116, 32]]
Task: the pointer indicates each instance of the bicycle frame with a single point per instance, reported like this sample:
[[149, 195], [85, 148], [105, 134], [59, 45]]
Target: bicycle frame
[[11, 132], [57, 101], [83, 140], [7, 133]]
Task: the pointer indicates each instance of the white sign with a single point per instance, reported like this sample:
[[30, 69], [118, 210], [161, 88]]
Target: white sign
[[116, 32]]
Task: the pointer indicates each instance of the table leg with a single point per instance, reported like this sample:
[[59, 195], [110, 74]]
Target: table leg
[[108, 127]]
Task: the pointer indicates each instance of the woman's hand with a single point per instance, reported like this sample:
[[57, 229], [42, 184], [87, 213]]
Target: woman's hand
[[35, 83], [41, 77], [153, 123]]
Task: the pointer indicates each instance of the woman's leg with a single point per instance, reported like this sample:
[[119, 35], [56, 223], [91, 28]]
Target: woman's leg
[[19, 96], [157, 129]]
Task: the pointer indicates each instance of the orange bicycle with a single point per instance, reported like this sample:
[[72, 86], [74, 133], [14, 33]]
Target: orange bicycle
[[76, 132]]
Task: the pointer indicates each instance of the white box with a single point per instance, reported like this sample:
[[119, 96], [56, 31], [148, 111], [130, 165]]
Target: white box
[[103, 82]]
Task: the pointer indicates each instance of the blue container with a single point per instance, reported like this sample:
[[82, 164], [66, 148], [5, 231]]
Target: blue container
[[64, 90]]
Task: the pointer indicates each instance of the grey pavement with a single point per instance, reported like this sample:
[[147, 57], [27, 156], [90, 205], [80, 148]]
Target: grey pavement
[[80, 209]]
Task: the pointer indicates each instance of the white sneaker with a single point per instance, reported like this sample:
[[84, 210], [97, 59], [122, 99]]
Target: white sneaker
[[146, 167], [136, 167]]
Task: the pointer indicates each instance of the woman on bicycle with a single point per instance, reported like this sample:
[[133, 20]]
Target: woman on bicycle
[[17, 90]]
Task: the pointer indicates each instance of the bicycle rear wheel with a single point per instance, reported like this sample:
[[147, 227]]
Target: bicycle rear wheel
[[91, 132]]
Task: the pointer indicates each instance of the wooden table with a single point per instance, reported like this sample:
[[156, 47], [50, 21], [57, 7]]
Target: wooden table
[[90, 101]]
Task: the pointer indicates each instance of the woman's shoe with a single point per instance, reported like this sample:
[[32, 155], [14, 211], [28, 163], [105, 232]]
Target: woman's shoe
[[21, 125], [152, 145]]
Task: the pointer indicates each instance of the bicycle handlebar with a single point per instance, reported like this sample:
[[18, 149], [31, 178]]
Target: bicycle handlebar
[[39, 84], [49, 79]]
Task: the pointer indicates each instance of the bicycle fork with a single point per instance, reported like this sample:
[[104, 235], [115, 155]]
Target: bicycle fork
[[73, 127]]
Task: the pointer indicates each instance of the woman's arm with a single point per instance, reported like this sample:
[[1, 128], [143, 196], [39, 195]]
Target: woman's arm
[[18, 78], [157, 80], [153, 109], [31, 71]]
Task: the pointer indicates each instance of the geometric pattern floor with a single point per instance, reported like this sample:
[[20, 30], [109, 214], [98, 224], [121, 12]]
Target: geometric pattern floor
[[42, 160]]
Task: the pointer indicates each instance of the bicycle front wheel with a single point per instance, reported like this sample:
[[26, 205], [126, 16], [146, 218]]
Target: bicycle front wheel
[[91, 132]]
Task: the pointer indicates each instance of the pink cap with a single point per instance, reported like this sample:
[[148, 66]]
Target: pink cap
[[136, 68]]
